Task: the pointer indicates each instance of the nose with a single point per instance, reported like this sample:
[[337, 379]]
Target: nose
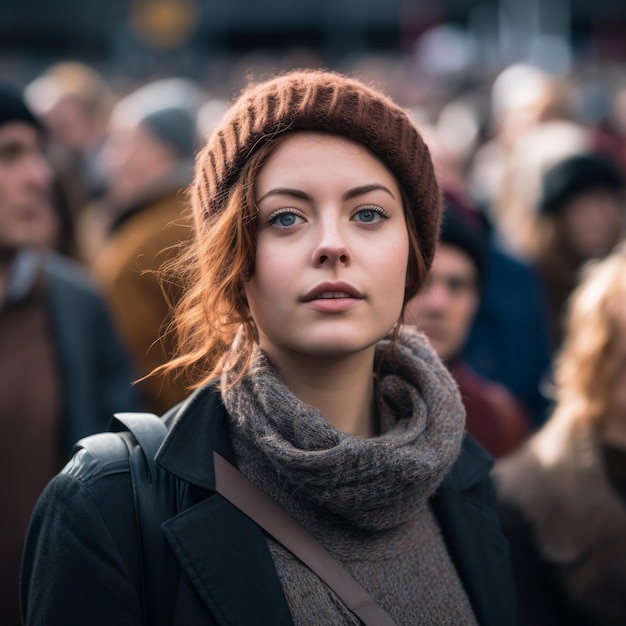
[[332, 247]]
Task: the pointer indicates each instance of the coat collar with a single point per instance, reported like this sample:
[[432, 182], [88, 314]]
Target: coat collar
[[196, 426], [471, 467]]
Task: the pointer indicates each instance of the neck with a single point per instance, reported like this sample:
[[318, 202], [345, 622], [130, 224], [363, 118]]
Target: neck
[[342, 389]]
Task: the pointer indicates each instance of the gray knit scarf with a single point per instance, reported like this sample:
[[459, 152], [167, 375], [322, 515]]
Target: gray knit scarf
[[374, 484]]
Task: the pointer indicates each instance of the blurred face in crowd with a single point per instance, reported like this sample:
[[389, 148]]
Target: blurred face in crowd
[[69, 124], [135, 160], [445, 308], [592, 223], [27, 216]]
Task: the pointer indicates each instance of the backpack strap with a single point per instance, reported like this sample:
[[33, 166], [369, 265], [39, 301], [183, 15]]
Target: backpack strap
[[232, 485], [156, 495], [131, 446]]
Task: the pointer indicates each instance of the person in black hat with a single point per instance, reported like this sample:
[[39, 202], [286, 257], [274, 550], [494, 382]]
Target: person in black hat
[[582, 217], [62, 367], [445, 313]]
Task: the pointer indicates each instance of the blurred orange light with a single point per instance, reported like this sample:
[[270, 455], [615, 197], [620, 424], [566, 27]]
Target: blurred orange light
[[164, 23]]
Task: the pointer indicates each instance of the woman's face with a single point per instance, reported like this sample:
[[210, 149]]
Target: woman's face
[[332, 249]]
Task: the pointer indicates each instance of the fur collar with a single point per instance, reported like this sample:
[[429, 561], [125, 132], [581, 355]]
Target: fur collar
[[559, 482]]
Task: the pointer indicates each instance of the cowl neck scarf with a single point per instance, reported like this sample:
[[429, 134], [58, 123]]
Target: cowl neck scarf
[[376, 483]]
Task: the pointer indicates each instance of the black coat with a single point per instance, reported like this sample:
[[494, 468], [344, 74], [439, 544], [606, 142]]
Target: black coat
[[81, 563]]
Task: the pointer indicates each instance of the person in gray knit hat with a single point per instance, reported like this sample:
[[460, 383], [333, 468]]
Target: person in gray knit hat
[[316, 213], [151, 143]]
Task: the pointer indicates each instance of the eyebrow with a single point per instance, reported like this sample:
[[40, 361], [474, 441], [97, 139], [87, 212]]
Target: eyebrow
[[12, 145], [348, 195]]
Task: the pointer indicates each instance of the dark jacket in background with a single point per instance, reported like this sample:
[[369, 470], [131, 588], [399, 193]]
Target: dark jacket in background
[[224, 571], [63, 373], [95, 371], [509, 342]]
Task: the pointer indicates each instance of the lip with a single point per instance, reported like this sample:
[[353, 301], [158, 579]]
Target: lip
[[332, 291]]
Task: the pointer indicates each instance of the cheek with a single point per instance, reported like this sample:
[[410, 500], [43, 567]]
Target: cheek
[[271, 279], [394, 262]]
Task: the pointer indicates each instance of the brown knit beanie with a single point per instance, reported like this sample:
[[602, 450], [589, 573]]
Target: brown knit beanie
[[322, 101]]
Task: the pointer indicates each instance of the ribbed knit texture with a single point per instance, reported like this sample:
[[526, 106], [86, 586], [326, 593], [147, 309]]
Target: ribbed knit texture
[[321, 101], [365, 500]]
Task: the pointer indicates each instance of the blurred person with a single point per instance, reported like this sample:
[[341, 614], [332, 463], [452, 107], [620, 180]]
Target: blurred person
[[445, 312], [524, 100], [512, 340], [582, 211], [316, 214], [514, 212], [521, 96], [563, 495], [74, 102], [150, 149], [63, 370], [609, 132], [508, 339]]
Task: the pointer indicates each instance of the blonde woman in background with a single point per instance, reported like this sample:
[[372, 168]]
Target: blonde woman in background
[[563, 495]]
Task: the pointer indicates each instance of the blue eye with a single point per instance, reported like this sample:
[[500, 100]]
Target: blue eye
[[369, 215], [285, 220]]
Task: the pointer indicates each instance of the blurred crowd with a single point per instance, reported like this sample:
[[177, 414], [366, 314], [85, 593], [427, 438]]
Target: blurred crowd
[[532, 166]]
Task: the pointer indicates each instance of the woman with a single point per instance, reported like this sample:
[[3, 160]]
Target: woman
[[316, 216], [564, 494]]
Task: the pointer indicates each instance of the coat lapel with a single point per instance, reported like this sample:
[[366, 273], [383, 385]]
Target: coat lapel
[[466, 510], [222, 552], [226, 558]]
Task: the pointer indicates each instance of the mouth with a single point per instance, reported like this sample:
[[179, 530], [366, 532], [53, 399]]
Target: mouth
[[329, 291], [332, 295]]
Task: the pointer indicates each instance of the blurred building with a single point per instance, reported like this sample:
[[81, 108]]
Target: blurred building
[[180, 33]]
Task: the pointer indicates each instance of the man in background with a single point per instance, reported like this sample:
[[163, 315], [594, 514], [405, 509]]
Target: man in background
[[63, 370], [445, 311]]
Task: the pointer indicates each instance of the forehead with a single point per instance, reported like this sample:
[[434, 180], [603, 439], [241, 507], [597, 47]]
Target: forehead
[[297, 152], [452, 260], [19, 134]]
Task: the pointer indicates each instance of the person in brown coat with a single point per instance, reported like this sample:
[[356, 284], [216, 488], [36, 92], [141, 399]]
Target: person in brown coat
[[151, 167]]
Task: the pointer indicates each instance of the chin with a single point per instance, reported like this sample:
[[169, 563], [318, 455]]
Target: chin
[[338, 348]]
